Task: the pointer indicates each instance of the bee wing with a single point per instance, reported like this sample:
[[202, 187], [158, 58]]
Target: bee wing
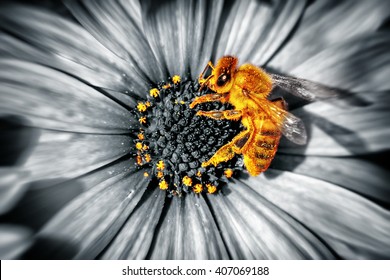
[[291, 126], [303, 88]]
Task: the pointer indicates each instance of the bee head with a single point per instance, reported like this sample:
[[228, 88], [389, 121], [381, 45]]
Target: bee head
[[223, 74]]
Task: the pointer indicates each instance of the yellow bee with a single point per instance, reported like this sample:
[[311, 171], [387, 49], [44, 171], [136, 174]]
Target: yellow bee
[[246, 88]]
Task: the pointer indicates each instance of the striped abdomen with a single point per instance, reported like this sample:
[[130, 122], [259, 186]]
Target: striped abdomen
[[262, 147]]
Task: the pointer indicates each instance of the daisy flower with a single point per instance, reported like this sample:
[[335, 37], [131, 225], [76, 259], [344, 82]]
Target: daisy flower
[[102, 155]]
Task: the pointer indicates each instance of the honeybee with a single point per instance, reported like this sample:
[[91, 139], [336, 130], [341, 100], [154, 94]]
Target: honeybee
[[246, 88]]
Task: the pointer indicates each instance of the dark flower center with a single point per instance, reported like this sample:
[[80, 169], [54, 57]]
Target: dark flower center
[[174, 142]]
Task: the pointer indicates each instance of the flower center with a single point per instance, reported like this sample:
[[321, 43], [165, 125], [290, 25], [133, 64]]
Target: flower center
[[174, 142]]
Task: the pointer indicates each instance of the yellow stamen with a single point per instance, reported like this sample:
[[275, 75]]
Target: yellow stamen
[[228, 173], [163, 185], [160, 174], [141, 136], [138, 146], [141, 107], [142, 120], [148, 158], [198, 174], [139, 160], [176, 79], [146, 174], [154, 92], [211, 188], [198, 188], [160, 165], [187, 181]]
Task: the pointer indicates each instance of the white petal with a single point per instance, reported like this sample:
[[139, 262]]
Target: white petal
[[43, 199], [337, 129], [326, 23], [51, 99], [361, 64], [117, 25], [90, 221], [67, 155], [135, 237], [354, 227], [14, 240], [188, 231], [357, 175], [253, 228], [62, 44], [181, 33], [12, 187], [255, 30]]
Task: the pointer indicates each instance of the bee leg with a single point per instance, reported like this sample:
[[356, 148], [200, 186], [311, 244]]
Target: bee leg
[[233, 115], [207, 98], [228, 151]]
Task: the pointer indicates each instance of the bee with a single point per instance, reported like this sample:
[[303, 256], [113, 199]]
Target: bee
[[246, 88]]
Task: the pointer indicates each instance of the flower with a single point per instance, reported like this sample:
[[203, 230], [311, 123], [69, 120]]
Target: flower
[[71, 83]]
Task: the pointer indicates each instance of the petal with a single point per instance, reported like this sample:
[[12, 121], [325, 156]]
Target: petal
[[354, 227], [253, 228], [62, 44], [12, 187], [361, 64], [181, 33], [339, 130], [255, 30], [357, 175], [187, 231], [42, 199], [83, 228], [117, 25], [53, 100], [73, 154], [135, 237], [327, 23], [13, 241]]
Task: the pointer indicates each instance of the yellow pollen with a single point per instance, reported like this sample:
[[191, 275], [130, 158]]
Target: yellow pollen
[[187, 181], [176, 79], [211, 188], [141, 136], [139, 160], [141, 107], [154, 92], [228, 173], [163, 185], [198, 188], [198, 174], [166, 86], [160, 174], [160, 165], [148, 158], [142, 120], [138, 145], [146, 174]]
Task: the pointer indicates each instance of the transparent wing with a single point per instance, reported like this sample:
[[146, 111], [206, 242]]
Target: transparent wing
[[303, 88], [291, 126]]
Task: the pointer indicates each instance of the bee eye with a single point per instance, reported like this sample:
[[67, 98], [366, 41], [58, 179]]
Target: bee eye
[[223, 79]]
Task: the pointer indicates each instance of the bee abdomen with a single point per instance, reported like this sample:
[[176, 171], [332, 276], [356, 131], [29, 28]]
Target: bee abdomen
[[271, 132], [259, 156]]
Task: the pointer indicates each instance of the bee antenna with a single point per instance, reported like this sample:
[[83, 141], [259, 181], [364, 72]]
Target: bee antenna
[[206, 82]]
